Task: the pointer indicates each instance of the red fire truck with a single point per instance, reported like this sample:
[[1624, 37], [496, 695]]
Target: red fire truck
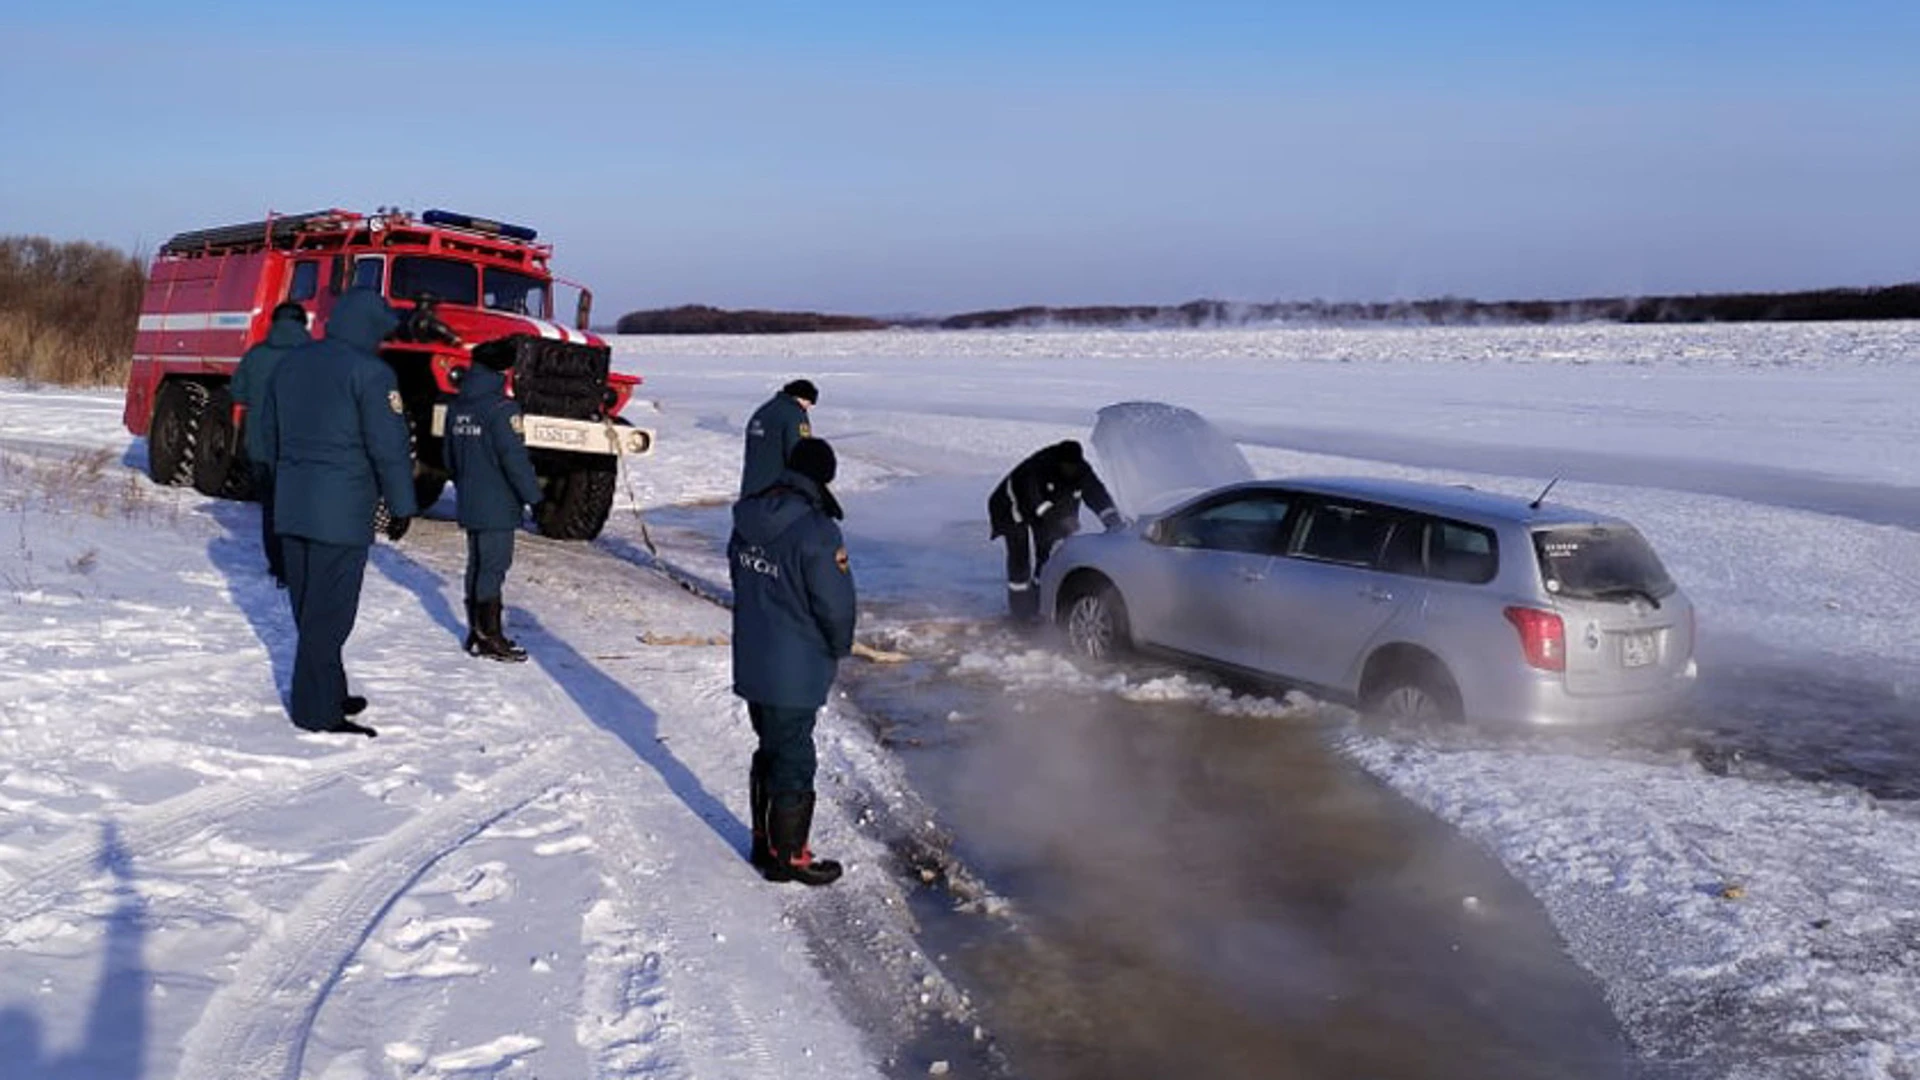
[[458, 279]]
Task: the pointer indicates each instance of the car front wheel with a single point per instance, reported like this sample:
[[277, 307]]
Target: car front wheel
[[1421, 697], [1096, 622]]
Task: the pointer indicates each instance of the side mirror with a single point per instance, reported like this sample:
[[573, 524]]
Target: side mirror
[[1156, 532]]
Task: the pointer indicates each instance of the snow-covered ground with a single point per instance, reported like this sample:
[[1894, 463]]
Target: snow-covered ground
[[534, 871]]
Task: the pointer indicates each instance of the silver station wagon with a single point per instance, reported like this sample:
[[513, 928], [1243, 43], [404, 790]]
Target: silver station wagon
[[1419, 602]]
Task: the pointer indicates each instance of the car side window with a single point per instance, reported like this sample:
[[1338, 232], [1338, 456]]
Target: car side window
[[1461, 553], [1345, 533], [1406, 550], [369, 272], [1253, 523], [306, 280]]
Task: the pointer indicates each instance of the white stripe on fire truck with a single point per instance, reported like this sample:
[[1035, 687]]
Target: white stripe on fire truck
[[558, 332], [199, 320]]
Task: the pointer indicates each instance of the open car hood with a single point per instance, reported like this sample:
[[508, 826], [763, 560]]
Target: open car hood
[[1154, 455]]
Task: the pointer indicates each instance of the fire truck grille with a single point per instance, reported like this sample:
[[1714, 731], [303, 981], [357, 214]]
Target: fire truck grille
[[558, 378]]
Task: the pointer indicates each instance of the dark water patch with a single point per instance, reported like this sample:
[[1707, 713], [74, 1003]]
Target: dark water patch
[[1206, 896]]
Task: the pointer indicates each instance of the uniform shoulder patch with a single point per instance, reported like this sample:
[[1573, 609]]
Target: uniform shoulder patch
[[513, 421], [394, 403], [840, 560], [806, 430]]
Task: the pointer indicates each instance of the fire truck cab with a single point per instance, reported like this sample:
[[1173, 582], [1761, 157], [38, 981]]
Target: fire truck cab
[[457, 280]]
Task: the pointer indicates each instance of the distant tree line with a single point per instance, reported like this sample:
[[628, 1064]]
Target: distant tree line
[[67, 310], [1825, 305], [700, 319], [1892, 302]]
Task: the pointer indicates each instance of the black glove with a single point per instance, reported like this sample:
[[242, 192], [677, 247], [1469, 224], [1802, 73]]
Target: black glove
[[422, 324], [1112, 520], [397, 527]]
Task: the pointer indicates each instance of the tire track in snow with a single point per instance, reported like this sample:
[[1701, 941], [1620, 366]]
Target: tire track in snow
[[195, 665], [156, 828], [629, 977], [257, 1025]]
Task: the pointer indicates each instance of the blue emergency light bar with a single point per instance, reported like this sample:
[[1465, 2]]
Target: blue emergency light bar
[[485, 225]]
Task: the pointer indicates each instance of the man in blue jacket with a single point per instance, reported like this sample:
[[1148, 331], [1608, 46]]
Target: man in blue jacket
[[772, 432], [334, 426], [286, 332], [494, 476], [793, 616]]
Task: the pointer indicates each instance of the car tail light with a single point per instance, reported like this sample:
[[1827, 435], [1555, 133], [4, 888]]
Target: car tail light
[[1543, 637]]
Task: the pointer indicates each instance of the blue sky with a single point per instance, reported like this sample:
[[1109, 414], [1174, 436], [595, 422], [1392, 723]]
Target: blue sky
[[895, 157]]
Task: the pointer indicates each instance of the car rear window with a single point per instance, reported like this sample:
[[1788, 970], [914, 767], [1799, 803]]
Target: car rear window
[[1461, 553], [1599, 562], [1430, 547]]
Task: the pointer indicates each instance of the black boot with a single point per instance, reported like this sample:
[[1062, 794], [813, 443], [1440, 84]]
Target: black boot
[[473, 630], [789, 821], [489, 640], [1024, 603], [353, 705], [758, 800]]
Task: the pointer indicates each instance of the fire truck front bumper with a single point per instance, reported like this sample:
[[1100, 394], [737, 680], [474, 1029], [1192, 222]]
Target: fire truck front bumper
[[571, 436]]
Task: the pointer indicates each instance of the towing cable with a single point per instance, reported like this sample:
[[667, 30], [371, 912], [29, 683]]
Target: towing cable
[[860, 648], [626, 476]]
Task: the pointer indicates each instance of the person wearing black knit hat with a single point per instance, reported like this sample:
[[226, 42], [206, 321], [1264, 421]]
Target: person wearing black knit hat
[[793, 621], [772, 433], [1035, 507]]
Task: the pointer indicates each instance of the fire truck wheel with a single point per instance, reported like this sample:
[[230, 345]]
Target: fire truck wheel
[[219, 468], [578, 502], [177, 414]]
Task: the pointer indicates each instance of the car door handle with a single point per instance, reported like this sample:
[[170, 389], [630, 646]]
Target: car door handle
[[1378, 596], [1250, 575]]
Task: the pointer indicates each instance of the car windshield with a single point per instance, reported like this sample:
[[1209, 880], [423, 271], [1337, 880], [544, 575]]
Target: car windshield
[[449, 280], [520, 294], [1600, 562]]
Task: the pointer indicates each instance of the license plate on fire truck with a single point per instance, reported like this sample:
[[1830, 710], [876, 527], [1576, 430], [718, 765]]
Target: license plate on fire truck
[[1638, 649]]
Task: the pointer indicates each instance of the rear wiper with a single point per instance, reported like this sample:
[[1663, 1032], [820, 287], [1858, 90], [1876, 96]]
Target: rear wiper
[[1627, 592]]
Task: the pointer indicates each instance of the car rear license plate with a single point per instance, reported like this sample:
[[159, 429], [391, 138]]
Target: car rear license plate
[[1637, 649]]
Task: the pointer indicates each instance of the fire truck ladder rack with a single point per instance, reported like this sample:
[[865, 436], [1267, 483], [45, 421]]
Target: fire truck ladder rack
[[274, 232]]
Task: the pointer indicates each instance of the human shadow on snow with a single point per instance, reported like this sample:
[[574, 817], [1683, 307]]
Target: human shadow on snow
[[237, 555], [427, 586], [113, 1039], [615, 709], [269, 613]]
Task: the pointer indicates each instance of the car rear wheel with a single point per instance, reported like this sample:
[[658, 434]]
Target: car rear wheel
[[1096, 621]]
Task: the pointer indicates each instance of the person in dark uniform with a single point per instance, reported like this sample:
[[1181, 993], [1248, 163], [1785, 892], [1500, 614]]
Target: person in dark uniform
[[332, 423], [493, 475], [793, 618], [1035, 507], [772, 432], [285, 332]]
